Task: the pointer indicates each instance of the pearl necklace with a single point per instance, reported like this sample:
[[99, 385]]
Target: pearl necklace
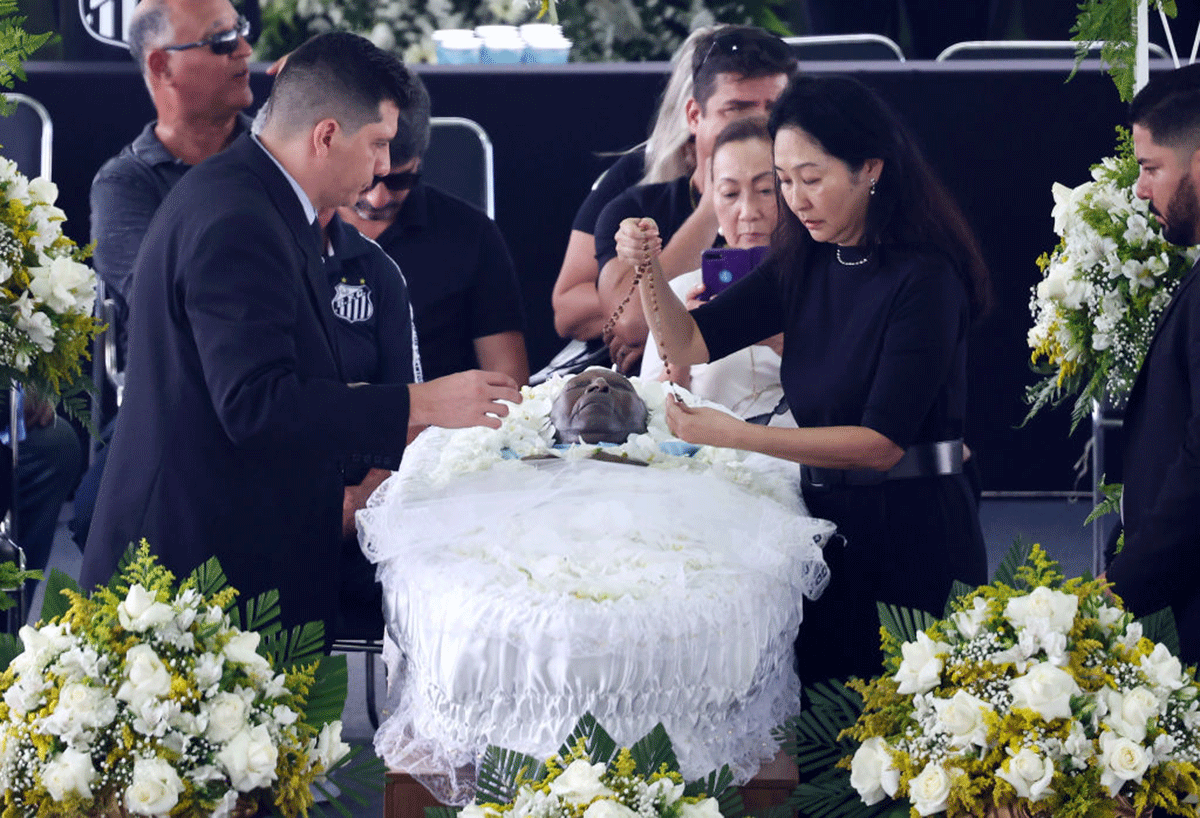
[[844, 263]]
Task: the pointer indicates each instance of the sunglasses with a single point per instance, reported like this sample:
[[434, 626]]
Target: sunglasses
[[395, 182], [223, 42], [745, 42]]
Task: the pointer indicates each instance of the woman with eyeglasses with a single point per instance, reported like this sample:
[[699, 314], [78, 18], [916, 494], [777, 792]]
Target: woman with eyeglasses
[[874, 278]]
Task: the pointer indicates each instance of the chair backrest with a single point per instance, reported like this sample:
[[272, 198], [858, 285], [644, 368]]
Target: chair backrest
[[107, 20], [844, 47], [1026, 50], [459, 161], [26, 135]]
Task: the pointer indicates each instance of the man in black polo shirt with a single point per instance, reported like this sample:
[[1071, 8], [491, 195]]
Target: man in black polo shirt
[[465, 296], [738, 71]]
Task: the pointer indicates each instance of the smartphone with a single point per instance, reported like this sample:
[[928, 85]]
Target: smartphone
[[721, 266]]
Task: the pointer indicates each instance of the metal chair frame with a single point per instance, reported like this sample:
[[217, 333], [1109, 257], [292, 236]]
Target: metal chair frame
[[485, 200], [1036, 49], [885, 46]]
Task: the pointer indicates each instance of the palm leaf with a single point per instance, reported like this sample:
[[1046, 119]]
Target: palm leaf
[[598, 744], [55, 604], [357, 776], [1160, 627], [327, 697], [1018, 555], [903, 623], [958, 590], [831, 796], [210, 578], [301, 645], [499, 773], [263, 612], [654, 750], [813, 740], [10, 648], [719, 785], [441, 812]]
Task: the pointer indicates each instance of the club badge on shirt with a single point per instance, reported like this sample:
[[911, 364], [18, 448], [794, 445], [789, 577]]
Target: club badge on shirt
[[352, 302]]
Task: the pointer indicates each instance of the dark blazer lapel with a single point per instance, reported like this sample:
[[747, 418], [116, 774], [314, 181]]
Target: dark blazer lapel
[[307, 237]]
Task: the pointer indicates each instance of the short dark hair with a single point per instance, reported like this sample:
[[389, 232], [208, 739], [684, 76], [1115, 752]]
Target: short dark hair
[[1169, 108], [909, 207], [149, 26], [741, 130], [412, 128], [747, 51], [335, 75]]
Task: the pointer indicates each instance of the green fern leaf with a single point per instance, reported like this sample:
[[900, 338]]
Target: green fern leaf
[[652, 751], [1018, 555], [500, 774], [598, 744], [54, 604]]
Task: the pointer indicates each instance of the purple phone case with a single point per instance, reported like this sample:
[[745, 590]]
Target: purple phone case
[[721, 266]]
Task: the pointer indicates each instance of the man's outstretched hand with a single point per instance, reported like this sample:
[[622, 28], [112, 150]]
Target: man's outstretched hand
[[469, 398]]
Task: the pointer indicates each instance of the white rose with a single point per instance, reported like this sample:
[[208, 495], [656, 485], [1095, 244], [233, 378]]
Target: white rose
[[242, 648], [1162, 669], [249, 758], [330, 748], [1128, 712], [664, 792], [79, 707], [1029, 773], [155, 787], [708, 808], [872, 773], [580, 782], [921, 665], [969, 622], [226, 717], [141, 610], [930, 790], [1122, 759], [38, 326], [1046, 690], [961, 717], [69, 773], [608, 809], [145, 676], [1044, 605], [43, 191]]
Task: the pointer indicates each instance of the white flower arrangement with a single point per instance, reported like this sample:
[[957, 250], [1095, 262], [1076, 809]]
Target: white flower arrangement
[[592, 778], [47, 293], [1102, 290], [148, 699], [1037, 696]]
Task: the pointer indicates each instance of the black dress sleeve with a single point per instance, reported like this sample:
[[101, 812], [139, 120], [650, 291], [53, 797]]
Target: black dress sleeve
[[748, 312], [621, 175]]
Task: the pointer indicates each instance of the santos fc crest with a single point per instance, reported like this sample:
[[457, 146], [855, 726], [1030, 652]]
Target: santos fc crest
[[352, 302]]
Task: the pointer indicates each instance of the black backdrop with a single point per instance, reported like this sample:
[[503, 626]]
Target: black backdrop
[[1000, 134]]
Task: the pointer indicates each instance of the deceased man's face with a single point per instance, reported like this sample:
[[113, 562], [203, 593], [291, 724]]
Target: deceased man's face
[[598, 406]]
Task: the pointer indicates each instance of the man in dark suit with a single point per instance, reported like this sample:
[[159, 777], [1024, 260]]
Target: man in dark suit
[[237, 415], [1160, 563]]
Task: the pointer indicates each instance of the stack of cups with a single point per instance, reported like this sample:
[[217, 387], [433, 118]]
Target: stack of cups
[[457, 46], [545, 43], [502, 45]]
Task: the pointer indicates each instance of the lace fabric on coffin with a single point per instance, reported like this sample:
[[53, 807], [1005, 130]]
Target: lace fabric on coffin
[[524, 595]]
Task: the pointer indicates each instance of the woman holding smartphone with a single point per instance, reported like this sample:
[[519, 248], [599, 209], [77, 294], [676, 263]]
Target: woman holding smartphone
[[874, 279], [743, 175]]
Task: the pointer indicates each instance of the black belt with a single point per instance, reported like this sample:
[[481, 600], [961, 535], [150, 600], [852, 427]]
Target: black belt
[[918, 460]]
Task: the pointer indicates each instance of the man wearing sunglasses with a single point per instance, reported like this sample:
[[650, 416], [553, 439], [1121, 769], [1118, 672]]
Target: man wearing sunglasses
[[737, 72], [463, 287], [194, 59]]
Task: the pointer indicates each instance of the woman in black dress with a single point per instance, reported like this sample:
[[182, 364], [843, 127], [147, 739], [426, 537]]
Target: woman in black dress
[[874, 278]]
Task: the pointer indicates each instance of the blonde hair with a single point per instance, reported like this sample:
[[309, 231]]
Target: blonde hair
[[669, 150]]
